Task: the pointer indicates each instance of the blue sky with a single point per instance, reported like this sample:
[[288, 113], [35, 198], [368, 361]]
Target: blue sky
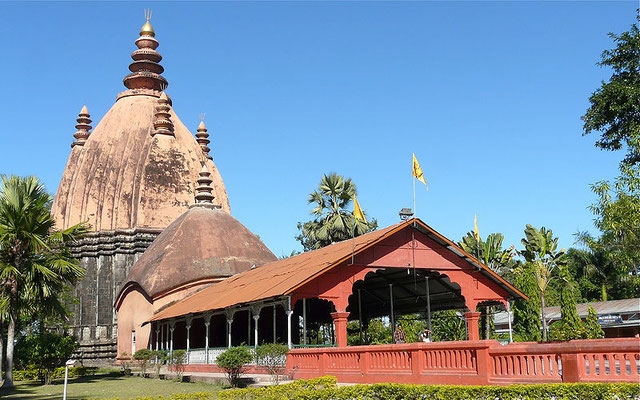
[[487, 94]]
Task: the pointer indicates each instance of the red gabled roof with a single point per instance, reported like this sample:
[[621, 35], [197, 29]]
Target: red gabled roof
[[282, 277]]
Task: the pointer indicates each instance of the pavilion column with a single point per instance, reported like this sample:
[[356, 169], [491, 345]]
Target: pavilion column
[[157, 338], [229, 322], [304, 322], [188, 338], [207, 322], [256, 317], [340, 327], [171, 329], [289, 314], [274, 324], [473, 318]]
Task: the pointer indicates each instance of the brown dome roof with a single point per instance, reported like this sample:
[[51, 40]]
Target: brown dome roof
[[202, 243], [125, 177]]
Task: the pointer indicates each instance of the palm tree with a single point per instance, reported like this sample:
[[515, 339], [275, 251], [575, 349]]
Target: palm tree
[[333, 222], [35, 262], [490, 253], [540, 249]]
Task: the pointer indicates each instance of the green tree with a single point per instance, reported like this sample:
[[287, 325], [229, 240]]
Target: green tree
[[45, 352], [333, 221], [35, 263], [615, 106], [447, 325], [570, 325], [617, 216], [541, 250], [233, 362], [526, 313], [490, 253], [592, 327]]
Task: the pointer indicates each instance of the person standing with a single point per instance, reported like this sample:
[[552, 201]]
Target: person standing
[[399, 336]]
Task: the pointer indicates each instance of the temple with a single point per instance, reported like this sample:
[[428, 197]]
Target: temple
[[168, 267], [129, 178]]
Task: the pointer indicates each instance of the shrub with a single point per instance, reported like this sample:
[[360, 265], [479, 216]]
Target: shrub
[[160, 357], [74, 372], [178, 359], [232, 363], [326, 388], [273, 356], [143, 356], [44, 352]]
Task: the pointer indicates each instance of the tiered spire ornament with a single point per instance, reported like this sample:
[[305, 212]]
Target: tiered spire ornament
[[83, 127], [203, 140], [162, 124], [204, 191], [145, 70]]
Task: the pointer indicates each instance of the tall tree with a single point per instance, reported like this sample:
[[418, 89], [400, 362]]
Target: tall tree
[[526, 313], [35, 262], [615, 106], [541, 250], [570, 325], [333, 222]]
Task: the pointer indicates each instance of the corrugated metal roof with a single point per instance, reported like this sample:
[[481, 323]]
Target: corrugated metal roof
[[625, 306], [283, 276]]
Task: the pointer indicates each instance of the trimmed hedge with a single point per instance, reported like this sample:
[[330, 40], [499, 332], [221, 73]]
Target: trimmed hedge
[[32, 374], [326, 388], [175, 396]]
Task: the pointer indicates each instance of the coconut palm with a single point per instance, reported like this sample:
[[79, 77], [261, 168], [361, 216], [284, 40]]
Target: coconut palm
[[541, 250], [333, 221], [35, 263]]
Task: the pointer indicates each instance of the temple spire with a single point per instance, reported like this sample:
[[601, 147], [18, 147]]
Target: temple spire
[[162, 124], [145, 68], [203, 140], [204, 191], [83, 127]]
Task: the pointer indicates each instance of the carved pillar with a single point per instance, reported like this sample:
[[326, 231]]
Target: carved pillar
[[472, 317], [340, 326], [256, 317]]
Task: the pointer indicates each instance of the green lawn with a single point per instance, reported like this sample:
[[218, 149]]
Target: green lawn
[[105, 386]]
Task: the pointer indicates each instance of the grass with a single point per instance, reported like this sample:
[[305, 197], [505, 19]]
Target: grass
[[105, 386]]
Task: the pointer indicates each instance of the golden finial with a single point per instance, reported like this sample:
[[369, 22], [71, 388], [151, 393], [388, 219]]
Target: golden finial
[[147, 29]]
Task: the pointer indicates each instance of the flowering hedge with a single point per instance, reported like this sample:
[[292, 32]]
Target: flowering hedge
[[325, 388]]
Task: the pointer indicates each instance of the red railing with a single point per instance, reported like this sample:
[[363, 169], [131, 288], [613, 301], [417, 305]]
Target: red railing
[[474, 362]]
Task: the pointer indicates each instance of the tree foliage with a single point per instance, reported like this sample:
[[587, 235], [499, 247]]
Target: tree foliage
[[541, 252], [45, 352], [615, 106], [233, 362], [570, 325], [526, 313], [35, 262], [447, 325], [332, 222]]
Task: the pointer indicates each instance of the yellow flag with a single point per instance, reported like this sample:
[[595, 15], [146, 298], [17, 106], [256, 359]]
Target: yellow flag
[[357, 211], [475, 227], [417, 171]]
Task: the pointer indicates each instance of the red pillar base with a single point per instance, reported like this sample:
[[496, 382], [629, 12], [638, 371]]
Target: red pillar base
[[473, 331], [340, 325]]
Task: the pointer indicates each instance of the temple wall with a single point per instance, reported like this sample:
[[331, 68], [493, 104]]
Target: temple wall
[[107, 258]]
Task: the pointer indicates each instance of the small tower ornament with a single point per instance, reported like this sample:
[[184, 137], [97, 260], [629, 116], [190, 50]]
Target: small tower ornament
[[203, 138], [83, 127], [204, 190], [162, 124]]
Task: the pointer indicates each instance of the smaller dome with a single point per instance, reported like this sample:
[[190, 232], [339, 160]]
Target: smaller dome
[[147, 29], [203, 243]]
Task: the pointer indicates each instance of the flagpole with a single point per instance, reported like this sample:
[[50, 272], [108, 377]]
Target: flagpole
[[415, 214]]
